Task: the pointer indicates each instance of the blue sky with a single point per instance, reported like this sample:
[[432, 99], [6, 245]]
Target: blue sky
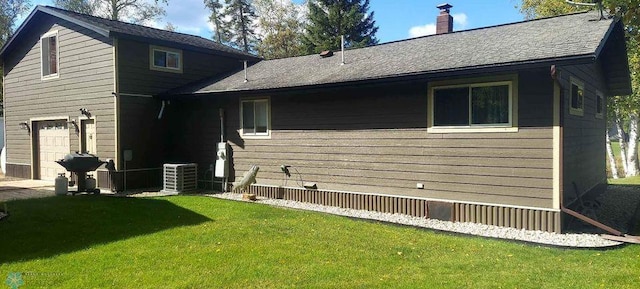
[[396, 19]]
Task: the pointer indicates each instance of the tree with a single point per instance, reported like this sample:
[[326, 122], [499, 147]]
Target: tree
[[239, 16], [135, 11], [80, 6], [328, 20], [624, 111], [9, 13], [281, 28], [220, 34]]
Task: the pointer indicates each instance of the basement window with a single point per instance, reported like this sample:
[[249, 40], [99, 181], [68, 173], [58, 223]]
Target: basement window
[[576, 103], [255, 117], [50, 55], [165, 59], [479, 105]]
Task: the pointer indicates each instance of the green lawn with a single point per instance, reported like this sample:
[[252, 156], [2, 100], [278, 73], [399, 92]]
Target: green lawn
[[201, 242]]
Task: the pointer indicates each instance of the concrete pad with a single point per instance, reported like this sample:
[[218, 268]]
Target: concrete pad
[[25, 189]]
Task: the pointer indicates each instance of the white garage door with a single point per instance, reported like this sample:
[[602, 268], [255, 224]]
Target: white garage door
[[53, 145]]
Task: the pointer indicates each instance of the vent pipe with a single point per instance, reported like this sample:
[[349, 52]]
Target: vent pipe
[[342, 48], [245, 72]]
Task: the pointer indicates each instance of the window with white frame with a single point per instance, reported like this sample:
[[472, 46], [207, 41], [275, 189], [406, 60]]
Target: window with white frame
[[49, 54], [255, 117], [599, 104], [165, 59], [473, 105], [576, 101]]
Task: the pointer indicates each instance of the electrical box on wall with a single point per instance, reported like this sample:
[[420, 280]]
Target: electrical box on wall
[[222, 162]]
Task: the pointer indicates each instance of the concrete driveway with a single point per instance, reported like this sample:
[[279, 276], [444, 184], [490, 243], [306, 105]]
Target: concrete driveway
[[25, 189]]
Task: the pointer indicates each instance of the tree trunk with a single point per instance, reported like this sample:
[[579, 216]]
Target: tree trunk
[[611, 158], [622, 140], [114, 10], [632, 146]]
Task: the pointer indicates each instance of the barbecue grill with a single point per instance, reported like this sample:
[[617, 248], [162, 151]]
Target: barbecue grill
[[80, 164]]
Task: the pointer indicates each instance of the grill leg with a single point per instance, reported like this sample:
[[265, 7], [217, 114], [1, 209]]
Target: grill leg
[[82, 181]]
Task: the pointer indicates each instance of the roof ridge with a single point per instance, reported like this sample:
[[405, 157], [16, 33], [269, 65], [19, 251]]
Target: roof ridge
[[441, 35], [480, 28], [125, 22]]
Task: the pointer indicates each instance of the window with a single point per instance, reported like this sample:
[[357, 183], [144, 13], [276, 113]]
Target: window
[[255, 117], [49, 54], [165, 59], [599, 104], [473, 105], [576, 105]]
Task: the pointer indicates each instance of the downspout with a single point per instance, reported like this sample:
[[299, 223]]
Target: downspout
[[162, 109]]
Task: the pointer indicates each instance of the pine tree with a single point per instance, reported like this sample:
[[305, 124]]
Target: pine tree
[[135, 11], [239, 16], [331, 19], [281, 28], [220, 35]]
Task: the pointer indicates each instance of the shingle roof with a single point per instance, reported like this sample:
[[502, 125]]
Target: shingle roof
[[106, 27], [556, 38]]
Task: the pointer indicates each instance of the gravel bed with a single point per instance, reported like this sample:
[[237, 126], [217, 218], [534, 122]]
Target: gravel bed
[[539, 237]]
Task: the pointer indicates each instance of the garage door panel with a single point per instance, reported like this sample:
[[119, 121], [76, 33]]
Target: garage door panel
[[53, 144]]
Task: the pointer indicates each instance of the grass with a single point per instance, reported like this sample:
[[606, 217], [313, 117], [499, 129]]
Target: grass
[[200, 242]]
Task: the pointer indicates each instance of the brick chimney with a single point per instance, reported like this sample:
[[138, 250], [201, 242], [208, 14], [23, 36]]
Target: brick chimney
[[444, 23]]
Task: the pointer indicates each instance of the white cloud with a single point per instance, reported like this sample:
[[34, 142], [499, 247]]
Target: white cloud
[[460, 20], [417, 31]]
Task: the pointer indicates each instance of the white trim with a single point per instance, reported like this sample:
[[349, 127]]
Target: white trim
[[466, 129], [266, 135], [53, 75], [512, 126], [576, 111], [421, 198], [602, 106], [167, 51], [557, 147], [116, 105], [10, 163], [81, 131]]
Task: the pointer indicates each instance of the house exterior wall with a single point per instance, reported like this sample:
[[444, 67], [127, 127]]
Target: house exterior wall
[[141, 132], [583, 136], [85, 80], [135, 76], [375, 140]]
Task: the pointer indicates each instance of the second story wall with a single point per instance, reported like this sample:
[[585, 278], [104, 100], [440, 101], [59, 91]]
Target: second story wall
[[136, 75]]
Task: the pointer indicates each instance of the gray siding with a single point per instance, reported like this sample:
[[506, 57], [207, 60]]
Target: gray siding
[[583, 136], [140, 129], [86, 80], [375, 140], [135, 77]]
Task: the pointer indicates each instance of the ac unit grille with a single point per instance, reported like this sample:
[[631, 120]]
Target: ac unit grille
[[180, 178]]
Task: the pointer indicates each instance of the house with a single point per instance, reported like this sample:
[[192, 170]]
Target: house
[[60, 62], [500, 125]]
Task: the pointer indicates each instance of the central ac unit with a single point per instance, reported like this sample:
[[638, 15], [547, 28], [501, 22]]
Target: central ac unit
[[179, 178]]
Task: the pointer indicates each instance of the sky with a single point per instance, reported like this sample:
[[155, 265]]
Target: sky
[[396, 19]]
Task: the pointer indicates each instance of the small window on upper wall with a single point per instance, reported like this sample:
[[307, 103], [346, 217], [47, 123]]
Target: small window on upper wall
[[49, 55], [165, 59], [254, 120], [599, 104], [576, 103]]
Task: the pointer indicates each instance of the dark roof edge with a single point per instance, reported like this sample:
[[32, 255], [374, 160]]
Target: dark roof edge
[[51, 12], [615, 23], [578, 59]]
